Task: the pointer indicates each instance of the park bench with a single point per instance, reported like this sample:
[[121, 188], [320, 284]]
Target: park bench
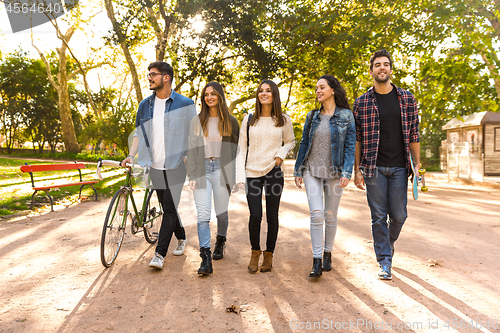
[[56, 167]]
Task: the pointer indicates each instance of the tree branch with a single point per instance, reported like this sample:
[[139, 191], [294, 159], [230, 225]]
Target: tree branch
[[65, 39], [240, 100], [47, 65]]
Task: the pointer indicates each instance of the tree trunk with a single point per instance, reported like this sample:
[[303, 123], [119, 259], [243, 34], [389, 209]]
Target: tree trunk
[[40, 147], [493, 72], [123, 44], [67, 125]]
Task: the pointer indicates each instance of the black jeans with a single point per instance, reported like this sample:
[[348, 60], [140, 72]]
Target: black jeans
[[272, 185], [168, 184]]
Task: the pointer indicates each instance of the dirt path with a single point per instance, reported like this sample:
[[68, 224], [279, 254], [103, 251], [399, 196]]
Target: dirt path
[[53, 281]]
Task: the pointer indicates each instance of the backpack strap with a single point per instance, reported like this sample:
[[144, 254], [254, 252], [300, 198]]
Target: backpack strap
[[248, 135]]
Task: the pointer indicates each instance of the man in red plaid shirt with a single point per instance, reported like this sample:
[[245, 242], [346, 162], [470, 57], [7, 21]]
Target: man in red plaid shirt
[[387, 123]]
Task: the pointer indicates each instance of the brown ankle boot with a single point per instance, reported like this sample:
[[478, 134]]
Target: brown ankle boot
[[267, 264], [253, 266]]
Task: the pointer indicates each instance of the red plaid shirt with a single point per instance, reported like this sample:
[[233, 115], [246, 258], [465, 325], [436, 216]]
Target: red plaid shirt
[[366, 116]]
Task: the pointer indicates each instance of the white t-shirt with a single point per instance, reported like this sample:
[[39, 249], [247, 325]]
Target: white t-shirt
[[158, 134], [213, 141]]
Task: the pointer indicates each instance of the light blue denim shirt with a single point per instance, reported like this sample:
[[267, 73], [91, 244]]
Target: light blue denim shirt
[[179, 111], [343, 141]]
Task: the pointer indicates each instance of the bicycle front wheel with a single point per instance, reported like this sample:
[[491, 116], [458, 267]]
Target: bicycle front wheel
[[114, 228], [152, 218]]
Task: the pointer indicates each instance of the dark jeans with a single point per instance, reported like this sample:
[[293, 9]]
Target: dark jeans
[[386, 194], [272, 184], [168, 184]]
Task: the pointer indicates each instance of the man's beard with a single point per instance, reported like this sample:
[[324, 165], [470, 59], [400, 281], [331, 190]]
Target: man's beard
[[379, 80], [158, 86]]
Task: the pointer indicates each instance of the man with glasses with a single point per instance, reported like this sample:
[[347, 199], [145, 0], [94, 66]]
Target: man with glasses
[[161, 142]]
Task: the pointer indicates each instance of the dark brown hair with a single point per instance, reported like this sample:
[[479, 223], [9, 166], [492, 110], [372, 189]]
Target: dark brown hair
[[164, 68], [380, 54], [340, 95], [276, 112], [224, 121]]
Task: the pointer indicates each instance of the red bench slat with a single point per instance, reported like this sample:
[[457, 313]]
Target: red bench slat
[[38, 188], [52, 167]]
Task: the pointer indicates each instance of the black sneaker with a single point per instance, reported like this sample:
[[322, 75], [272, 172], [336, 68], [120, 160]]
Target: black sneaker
[[385, 273]]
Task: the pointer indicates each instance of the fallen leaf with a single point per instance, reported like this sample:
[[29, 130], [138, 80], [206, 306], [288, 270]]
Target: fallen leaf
[[233, 308], [433, 262]]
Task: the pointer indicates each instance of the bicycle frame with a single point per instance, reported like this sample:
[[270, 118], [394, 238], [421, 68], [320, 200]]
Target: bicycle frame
[[129, 189]]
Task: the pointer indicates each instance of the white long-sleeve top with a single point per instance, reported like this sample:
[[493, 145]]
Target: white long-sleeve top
[[266, 143]]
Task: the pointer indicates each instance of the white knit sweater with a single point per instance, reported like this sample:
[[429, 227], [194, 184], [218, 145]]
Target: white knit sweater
[[266, 143]]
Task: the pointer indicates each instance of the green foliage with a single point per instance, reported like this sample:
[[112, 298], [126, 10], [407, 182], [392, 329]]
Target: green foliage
[[446, 53], [457, 63], [451, 87], [116, 126], [28, 102]]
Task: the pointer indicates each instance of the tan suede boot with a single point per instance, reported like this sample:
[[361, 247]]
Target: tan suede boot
[[253, 266], [267, 264]]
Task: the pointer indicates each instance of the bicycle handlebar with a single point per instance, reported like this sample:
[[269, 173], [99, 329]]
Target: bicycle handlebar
[[101, 162]]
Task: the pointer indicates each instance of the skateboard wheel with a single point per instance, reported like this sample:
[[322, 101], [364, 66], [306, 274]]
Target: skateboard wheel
[[421, 171], [424, 189]]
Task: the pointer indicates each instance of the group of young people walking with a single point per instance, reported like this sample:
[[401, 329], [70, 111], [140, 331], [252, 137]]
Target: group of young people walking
[[220, 158]]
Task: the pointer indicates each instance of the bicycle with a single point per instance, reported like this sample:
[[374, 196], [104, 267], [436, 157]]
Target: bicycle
[[148, 218]]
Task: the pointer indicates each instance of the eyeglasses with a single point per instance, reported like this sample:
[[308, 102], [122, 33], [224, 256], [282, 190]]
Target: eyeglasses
[[153, 74]]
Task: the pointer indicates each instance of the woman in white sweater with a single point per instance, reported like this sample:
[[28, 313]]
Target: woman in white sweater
[[266, 137]]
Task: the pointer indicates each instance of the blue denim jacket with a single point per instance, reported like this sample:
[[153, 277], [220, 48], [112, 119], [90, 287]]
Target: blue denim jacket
[[343, 141], [179, 111]]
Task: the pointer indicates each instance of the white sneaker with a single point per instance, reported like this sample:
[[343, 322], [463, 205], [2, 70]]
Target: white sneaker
[[157, 261], [181, 247]]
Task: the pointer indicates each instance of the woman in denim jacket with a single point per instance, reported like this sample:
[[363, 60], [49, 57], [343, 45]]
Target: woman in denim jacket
[[213, 143], [324, 163]]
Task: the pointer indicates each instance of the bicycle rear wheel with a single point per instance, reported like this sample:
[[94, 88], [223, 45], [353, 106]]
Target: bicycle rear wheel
[[114, 228], [152, 218]]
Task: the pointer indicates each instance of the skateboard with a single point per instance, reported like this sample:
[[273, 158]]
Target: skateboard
[[421, 173], [415, 180]]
